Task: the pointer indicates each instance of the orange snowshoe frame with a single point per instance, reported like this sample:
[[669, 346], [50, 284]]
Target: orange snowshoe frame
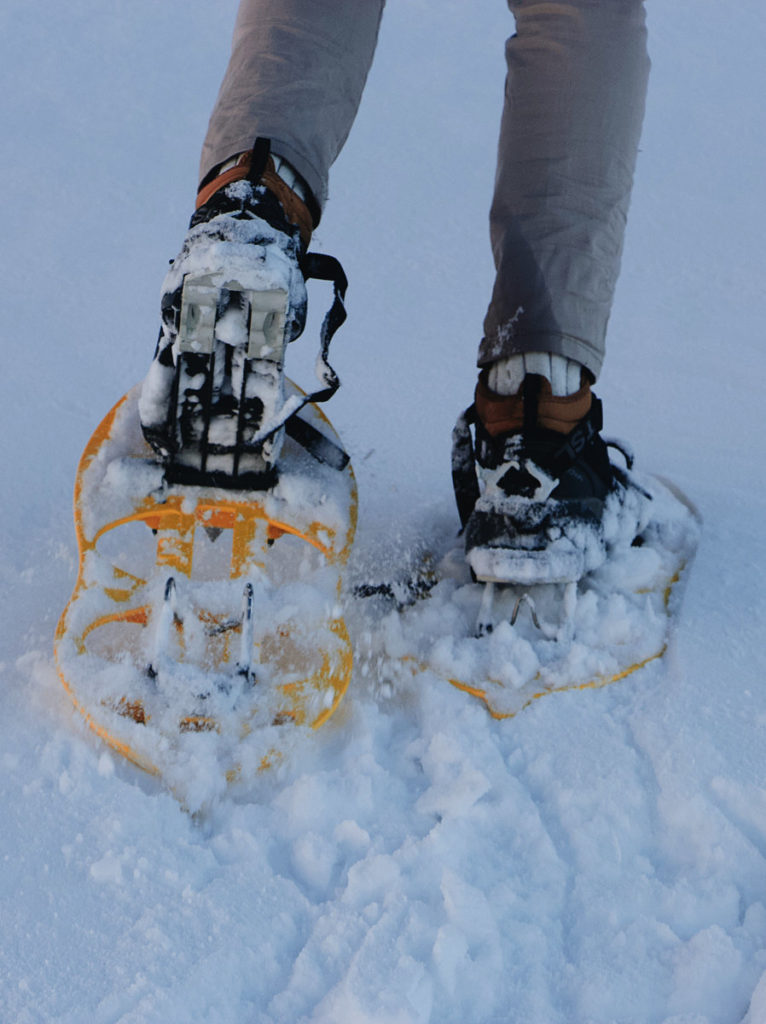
[[110, 629]]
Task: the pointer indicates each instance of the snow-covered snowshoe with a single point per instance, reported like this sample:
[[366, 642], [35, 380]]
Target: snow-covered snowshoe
[[567, 572], [213, 526], [205, 622], [510, 644]]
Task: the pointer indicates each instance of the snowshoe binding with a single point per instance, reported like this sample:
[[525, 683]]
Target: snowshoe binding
[[213, 405]]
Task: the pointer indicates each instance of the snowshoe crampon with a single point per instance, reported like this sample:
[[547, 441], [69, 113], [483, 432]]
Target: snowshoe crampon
[[205, 624]]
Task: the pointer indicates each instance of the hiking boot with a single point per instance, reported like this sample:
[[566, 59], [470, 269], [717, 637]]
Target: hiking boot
[[539, 499], [213, 402]]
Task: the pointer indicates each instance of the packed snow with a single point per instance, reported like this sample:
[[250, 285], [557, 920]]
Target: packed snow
[[600, 858]]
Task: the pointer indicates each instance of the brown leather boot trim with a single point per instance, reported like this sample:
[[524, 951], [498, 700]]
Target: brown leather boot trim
[[503, 414], [235, 173], [295, 209]]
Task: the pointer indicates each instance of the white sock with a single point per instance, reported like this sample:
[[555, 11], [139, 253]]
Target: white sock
[[285, 171], [506, 375], [289, 176]]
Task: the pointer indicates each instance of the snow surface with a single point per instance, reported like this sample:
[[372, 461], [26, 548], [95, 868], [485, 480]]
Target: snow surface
[[601, 857]]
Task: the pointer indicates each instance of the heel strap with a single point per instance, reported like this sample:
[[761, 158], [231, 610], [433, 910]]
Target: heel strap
[[257, 165]]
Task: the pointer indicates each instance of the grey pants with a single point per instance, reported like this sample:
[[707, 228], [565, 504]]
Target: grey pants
[[574, 104]]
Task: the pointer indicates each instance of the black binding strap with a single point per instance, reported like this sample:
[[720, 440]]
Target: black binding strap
[[320, 447], [259, 157], [464, 478], [322, 268], [316, 266], [576, 441]]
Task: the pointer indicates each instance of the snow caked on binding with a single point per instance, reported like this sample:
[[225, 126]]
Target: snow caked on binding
[[213, 405]]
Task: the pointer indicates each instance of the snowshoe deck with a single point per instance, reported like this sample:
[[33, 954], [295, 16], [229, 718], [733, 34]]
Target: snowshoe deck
[[205, 623]]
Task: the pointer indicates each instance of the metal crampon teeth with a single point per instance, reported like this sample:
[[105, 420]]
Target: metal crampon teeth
[[490, 615]]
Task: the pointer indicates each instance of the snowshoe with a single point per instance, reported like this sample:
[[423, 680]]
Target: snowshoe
[[508, 644], [215, 508], [205, 623], [567, 573]]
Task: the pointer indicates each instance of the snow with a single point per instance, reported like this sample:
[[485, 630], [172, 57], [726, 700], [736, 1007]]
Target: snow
[[599, 858]]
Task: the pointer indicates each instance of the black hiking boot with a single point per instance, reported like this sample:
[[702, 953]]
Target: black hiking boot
[[550, 502]]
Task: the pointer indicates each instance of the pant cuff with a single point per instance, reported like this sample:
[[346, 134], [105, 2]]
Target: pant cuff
[[583, 352]]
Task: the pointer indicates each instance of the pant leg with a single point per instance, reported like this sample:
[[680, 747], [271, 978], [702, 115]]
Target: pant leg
[[295, 76], [574, 106]]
